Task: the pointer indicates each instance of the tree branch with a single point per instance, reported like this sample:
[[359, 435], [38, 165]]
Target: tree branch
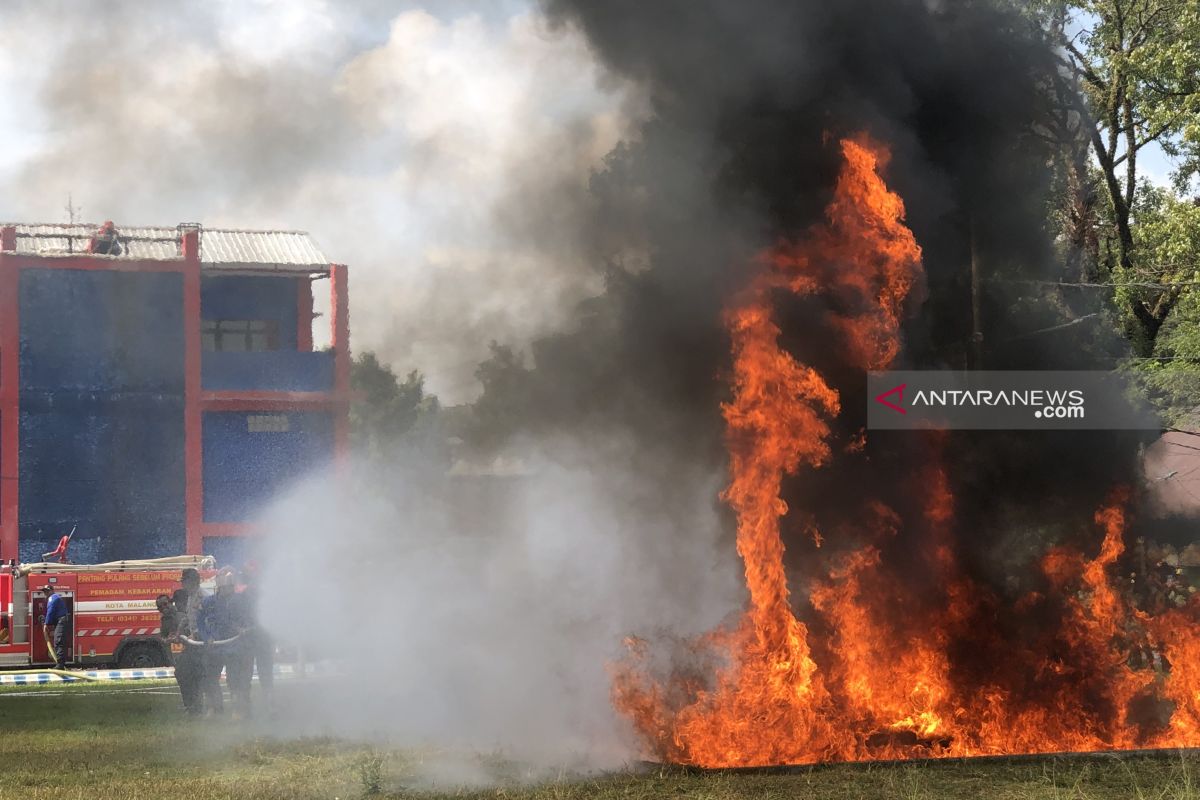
[[1081, 67], [1130, 153]]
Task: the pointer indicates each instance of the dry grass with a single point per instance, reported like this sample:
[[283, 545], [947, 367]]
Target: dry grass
[[94, 743]]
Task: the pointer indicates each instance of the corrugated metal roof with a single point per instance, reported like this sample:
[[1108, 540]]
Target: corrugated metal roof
[[279, 249], [220, 248]]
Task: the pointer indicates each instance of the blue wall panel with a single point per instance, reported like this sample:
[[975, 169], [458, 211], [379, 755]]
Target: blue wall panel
[[278, 371], [244, 470], [101, 331], [102, 375], [250, 297]]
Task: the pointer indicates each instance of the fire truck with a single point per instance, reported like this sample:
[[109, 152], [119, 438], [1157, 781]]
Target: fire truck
[[115, 619]]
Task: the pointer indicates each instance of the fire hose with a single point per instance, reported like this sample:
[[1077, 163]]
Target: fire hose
[[190, 642]]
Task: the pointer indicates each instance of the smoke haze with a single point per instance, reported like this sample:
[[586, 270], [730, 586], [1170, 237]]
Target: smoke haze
[[486, 626], [441, 150]]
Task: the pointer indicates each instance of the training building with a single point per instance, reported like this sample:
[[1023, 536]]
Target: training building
[[159, 386]]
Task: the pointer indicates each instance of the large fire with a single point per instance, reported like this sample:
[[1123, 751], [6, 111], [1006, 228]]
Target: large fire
[[875, 686]]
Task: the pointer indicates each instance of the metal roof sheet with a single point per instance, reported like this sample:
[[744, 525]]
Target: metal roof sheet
[[220, 248]]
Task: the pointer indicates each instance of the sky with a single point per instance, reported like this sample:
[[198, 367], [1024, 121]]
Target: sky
[[440, 149]]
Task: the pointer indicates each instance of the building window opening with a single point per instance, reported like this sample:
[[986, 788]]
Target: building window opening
[[239, 335]]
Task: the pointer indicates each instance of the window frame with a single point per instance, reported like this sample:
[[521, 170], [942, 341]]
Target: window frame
[[251, 335]]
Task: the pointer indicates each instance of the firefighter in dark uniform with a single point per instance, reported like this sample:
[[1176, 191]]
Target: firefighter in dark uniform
[[189, 666], [222, 621], [172, 625], [57, 626], [260, 643]]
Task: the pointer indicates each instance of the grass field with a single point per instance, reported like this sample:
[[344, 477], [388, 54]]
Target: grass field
[[100, 742]]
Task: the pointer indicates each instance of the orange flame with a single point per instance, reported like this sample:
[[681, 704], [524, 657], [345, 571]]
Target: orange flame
[[876, 684]]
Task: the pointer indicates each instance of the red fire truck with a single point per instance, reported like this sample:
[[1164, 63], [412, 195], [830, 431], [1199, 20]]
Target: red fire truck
[[112, 608]]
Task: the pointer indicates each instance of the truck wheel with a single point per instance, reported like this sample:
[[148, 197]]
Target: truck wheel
[[141, 655]]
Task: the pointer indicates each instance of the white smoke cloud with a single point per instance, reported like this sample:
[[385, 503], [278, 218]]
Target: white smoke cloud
[[479, 617], [443, 154]]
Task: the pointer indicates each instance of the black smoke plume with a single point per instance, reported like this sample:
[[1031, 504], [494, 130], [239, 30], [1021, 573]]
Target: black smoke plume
[[748, 100]]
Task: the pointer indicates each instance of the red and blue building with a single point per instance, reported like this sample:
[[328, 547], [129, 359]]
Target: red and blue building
[[159, 399]]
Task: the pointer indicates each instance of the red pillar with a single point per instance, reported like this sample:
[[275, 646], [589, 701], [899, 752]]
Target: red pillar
[[304, 314], [192, 419], [10, 396], [340, 305]]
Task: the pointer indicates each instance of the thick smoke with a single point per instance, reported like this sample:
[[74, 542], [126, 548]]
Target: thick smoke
[[490, 627], [492, 623], [748, 102], [442, 152]]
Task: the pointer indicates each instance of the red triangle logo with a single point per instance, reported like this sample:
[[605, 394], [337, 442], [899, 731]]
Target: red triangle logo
[[895, 390]]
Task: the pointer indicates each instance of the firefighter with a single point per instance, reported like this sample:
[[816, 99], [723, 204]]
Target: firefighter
[[239, 658], [106, 241], [261, 645], [57, 626], [172, 627], [221, 623], [189, 662]]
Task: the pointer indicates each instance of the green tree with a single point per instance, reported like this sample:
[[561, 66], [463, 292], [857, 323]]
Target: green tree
[[1167, 231], [1129, 79], [503, 407], [388, 415]]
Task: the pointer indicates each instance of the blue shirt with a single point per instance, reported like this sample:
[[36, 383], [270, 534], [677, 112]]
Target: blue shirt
[[56, 609]]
